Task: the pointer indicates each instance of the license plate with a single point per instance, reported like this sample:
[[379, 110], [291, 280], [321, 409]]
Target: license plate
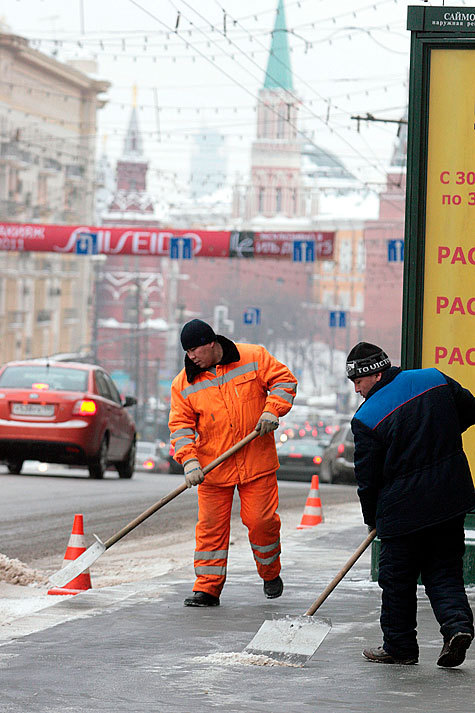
[[33, 409]]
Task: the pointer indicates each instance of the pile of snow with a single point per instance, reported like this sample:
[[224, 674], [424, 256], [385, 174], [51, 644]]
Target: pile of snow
[[14, 571], [232, 659]]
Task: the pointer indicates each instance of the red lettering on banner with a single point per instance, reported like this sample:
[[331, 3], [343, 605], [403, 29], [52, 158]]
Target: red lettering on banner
[[440, 353], [457, 305], [456, 356], [112, 240], [115, 240], [459, 254], [442, 303], [444, 252]]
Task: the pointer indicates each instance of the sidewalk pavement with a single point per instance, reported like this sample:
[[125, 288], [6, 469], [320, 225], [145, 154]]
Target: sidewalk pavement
[[135, 649]]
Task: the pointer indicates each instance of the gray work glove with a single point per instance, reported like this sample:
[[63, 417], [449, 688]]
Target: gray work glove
[[267, 423], [193, 473]]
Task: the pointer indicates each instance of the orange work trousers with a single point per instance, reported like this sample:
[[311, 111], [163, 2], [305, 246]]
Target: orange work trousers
[[259, 502]]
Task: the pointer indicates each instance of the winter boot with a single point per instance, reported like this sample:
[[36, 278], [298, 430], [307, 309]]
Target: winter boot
[[454, 649], [273, 588], [379, 655], [201, 599]]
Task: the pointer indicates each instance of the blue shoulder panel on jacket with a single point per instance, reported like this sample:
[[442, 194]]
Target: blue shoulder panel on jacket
[[406, 386]]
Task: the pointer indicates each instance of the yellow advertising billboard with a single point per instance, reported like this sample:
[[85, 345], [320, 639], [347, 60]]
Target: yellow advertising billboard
[[448, 339]]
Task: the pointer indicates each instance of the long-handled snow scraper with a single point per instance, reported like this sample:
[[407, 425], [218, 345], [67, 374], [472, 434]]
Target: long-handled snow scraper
[[295, 639], [81, 563]]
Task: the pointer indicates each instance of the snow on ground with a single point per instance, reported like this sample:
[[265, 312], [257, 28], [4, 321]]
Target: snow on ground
[[24, 590]]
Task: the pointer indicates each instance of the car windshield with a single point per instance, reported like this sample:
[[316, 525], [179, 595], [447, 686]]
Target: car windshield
[[44, 378], [305, 448]]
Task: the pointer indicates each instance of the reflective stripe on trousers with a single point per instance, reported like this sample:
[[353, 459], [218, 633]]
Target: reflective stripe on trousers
[[259, 501], [266, 560]]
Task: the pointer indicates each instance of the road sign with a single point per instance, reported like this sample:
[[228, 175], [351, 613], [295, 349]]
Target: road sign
[[252, 315], [304, 251], [395, 250], [337, 318], [181, 248], [86, 244]]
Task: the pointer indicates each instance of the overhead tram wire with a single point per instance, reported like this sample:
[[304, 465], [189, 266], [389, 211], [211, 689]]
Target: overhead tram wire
[[33, 89], [210, 61], [292, 31], [234, 81], [307, 138], [297, 99], [285, 66], [149, 47]]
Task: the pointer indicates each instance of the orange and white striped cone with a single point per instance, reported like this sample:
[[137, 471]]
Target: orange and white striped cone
[[76, 546], [312, 513]]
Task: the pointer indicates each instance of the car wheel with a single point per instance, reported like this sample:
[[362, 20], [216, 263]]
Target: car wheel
[[98, 466], [126, 467], [14, 466]]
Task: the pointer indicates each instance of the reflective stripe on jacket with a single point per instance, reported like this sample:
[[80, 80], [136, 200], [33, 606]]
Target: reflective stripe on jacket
[[214, 412]]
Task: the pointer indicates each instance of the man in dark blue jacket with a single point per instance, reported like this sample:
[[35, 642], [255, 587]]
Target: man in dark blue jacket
[[415, 487]]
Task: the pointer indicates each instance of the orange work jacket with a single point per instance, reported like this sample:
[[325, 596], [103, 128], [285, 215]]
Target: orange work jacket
[[215, 411]]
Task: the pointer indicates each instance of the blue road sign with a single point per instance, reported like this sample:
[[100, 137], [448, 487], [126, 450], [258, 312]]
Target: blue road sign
[[181, 247], [337, 318], [252, 315], [395, 250], [86, 244], [304, 251]]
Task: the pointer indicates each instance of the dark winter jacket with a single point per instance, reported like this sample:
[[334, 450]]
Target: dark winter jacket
[[409, 462]]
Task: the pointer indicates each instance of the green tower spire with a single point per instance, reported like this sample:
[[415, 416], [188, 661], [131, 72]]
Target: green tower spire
[[279, 73]]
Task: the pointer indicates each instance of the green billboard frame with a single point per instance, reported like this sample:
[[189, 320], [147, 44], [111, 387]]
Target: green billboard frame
[[431, 28]]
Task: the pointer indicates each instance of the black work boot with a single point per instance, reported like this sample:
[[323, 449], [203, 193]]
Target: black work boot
[[273, 588], [201, 599], [379, 655], [454, 649]]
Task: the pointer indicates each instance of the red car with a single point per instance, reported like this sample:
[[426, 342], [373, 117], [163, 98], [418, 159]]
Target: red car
[[63, 412]]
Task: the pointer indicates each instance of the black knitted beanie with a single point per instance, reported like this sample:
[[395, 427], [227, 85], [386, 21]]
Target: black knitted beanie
[[196, 333], [366, 359]]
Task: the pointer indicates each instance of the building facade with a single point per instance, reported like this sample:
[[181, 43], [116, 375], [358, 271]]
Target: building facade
[[47, 152]]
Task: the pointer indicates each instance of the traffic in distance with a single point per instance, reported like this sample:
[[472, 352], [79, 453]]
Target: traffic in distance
[[73, 414]]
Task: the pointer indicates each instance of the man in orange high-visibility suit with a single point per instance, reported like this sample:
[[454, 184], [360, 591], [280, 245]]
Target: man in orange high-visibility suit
[[225, 391]]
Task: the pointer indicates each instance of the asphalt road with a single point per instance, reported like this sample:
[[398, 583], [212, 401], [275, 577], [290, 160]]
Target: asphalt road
[[38, 509]]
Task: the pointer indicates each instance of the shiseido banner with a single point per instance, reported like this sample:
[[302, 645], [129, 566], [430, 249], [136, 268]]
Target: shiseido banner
[[109, 240]]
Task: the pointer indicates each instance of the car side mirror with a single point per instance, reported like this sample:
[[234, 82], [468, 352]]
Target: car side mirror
[[129, 401]]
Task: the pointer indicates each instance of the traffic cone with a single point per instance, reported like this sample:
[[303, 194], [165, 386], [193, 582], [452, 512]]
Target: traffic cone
[[312, 512], [76, 546]]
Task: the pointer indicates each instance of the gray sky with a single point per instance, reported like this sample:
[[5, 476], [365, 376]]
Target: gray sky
[[348, 57]]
